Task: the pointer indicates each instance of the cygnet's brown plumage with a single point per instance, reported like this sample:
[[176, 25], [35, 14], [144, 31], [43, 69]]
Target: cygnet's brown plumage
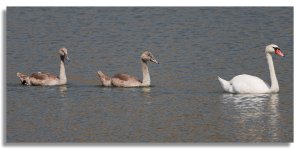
[[47, 79], [125, 80]]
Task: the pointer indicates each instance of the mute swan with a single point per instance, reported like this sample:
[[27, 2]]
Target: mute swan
[[47, 79], [125, 80], [251, 84]]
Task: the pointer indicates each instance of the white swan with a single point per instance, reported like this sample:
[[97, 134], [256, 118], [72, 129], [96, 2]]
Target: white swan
[[251, 84], [47, 79], [125, 80]]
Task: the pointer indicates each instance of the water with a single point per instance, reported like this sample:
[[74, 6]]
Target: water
[[185, 102]]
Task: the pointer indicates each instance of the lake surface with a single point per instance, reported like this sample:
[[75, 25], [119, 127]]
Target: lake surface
[[185, 102]]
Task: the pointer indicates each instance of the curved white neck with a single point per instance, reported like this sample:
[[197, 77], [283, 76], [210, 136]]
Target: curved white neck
[[62, 72], [274, 83], [146, 75]]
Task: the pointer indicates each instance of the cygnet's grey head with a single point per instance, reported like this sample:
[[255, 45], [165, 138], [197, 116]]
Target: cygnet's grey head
[[63, 52], [148, 56]]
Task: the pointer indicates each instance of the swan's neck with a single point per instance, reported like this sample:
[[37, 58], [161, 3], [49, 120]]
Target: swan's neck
[[62, 72], [274, 83], [146, 75]]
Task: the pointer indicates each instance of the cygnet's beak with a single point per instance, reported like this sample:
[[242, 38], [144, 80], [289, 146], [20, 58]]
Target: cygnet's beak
[[154, 60], [67, 58]]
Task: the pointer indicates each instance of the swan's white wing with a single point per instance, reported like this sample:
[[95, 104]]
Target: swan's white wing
[[249, 84]]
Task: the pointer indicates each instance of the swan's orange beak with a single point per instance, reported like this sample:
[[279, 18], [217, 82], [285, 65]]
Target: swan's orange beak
[[278, 52]]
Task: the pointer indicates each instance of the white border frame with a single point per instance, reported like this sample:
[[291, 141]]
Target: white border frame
[[218, 3]]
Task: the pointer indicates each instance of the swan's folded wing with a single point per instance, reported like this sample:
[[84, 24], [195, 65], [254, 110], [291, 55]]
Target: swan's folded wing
[[249, 84], [43, 76], [125, 77]]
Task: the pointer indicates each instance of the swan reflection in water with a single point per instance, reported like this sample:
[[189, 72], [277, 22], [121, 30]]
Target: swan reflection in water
[[63, 90], [256, 115], [146, 90], [146, 93]]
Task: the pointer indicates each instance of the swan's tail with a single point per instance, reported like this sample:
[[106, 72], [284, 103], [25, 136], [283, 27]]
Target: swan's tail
[[23, 78], [226, 85], [104, 79]]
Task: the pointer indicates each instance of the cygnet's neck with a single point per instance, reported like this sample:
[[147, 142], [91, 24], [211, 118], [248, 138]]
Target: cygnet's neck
[[62, 72], [274, 83], [146, 75]]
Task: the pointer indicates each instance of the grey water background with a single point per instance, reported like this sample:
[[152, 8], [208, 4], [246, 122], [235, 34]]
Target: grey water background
[[185, 103]]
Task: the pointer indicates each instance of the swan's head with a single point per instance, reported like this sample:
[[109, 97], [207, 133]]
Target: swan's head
[[148, 56], [63, 52], [273, 48]]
